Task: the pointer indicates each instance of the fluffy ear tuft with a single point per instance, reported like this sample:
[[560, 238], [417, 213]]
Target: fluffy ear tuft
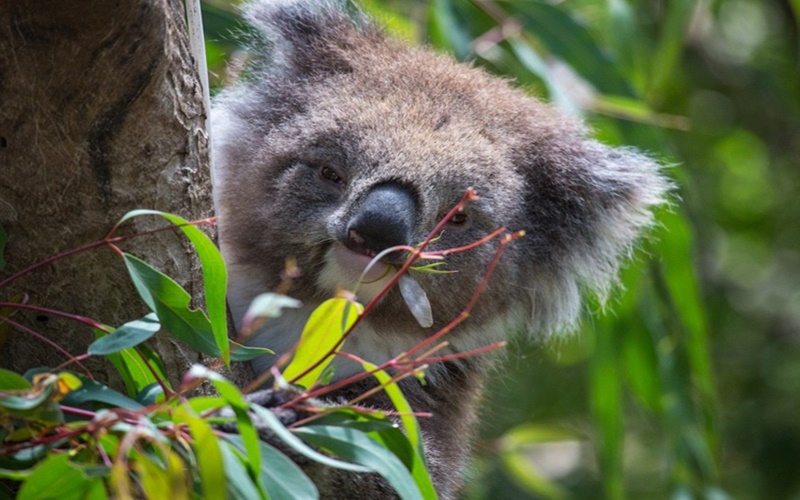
[[308, 36], [586, 204]]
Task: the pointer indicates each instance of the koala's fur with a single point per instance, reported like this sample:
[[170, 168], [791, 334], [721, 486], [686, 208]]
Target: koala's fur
[[330, 89]]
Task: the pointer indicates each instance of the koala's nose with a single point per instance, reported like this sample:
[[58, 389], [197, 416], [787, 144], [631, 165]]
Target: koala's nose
[[384, 219]]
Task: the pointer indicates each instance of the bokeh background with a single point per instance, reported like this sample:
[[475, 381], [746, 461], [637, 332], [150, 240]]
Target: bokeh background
[[687, 383]]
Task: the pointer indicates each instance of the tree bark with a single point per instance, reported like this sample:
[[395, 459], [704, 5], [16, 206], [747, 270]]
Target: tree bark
[[101, 112]]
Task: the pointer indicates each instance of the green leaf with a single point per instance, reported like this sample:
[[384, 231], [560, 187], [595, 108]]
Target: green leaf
[[15, 475], [170, 302], [10, 381], [570, 41], [606, 403], [281, 477], [231, 394], [132, 365], [206, 449], [150, 394], [535, 63], [97, 392], [673, 36], [215, 277], [239, 484], [162, 476], [381, 429], [522, 471], [321, 334], [270, 420], [623, 31], [418, 469], [57, 478], [446, 31], [357, 447], [128, 335]]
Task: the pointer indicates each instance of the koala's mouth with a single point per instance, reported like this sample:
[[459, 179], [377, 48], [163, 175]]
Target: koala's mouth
[[353, 264]]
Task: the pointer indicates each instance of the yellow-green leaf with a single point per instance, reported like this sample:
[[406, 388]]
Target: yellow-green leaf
[[323, 331]]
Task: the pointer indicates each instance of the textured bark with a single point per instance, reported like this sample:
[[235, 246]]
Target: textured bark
[[100, 112]]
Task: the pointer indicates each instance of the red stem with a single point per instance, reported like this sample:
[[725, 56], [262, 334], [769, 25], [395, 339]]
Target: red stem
[[42, 440], [168, 393], [77, 411], [91, 246], [469, 195], [48, 342], [54, 312], [478, 291]]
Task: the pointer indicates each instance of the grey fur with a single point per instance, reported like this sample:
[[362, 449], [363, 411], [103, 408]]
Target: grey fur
[[330, 89]]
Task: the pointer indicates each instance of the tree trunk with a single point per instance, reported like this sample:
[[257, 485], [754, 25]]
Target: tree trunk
[[101, 112]]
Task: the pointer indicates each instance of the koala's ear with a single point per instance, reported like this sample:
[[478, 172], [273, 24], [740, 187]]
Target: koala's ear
[[586, 205], [309, 36]]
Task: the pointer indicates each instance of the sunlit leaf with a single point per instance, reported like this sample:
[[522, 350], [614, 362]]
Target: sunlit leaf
[[321, 334], [132, 365], [162, 482], [67, 382], [519, 467]]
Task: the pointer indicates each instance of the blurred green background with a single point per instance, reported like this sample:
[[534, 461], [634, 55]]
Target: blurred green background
[[688, 383]]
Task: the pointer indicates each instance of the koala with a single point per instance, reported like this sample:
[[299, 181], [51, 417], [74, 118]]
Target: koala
[[340, 141]]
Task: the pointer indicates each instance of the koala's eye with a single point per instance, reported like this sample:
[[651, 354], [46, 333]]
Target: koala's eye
[[459, 219], [330, 174]]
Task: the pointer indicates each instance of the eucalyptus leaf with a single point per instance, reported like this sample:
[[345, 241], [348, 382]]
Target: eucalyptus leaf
[[321, 335], [128, 335], [171, 302], [417, 300], [356, 446], [132, 365], [239, 484], [94, 391], [418, 467], [215, 277], [269, 419], [281, 477], [207, 452], [56, 478], [12, 381]]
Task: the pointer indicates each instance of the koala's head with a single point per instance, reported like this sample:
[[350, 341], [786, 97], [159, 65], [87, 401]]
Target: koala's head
[[341, 142]]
